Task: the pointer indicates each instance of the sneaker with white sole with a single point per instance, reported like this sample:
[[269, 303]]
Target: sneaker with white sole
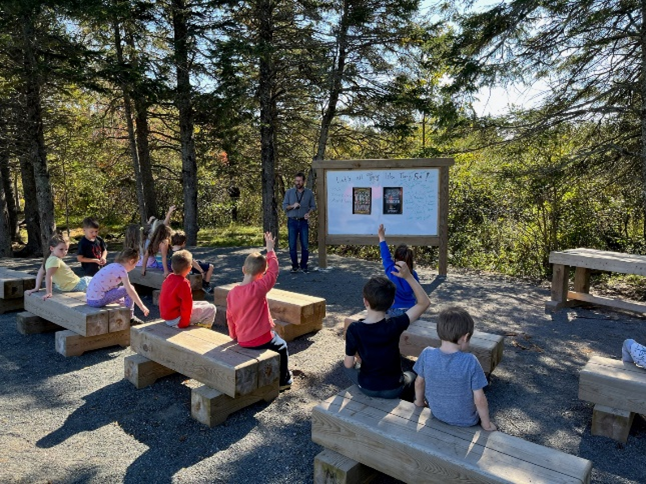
[[287, 385]]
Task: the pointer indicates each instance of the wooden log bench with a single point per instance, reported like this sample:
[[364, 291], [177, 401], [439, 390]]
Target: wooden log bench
[[233, 377], [86, 328], [585, 260], [486, 347], [405, 442], [154, 279], [13, 285], [618, 391], [295, 314]]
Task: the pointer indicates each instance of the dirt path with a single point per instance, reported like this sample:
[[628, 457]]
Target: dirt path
[[78, 420]]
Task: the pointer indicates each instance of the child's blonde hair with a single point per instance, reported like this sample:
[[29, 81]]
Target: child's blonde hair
[[128, 254], [54, 241], [255, 264], [132, 237], [181, 260], [162, 233]]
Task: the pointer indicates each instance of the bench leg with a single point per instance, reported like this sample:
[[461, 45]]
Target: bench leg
[[333, 468], [289, 331], [560, 279], [7, 305], [69, 343], [211, 407], [220, 316], [582, 280], [28, 323], [612, 422], [142, 372]]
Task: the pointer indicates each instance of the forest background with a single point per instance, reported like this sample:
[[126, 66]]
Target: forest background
[[118, 109]]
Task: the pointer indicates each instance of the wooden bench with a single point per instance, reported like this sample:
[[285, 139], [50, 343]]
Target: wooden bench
[[233, 377], [405, 442], [13, 285], [87, 328], [584, 260], [295, 314], [486, 347], [618, 390]]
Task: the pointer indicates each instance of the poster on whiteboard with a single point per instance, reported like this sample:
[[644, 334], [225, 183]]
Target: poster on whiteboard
[[404, 200]]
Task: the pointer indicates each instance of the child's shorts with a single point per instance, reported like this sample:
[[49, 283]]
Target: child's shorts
[[394, 312], [82, 285], [205, 266]]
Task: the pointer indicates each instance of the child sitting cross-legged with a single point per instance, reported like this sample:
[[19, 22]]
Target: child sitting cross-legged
[[451, 380], [176, 305], [248, 314], [374, 341]]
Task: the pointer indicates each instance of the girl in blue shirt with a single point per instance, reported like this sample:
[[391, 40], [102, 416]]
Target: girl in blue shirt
[[404, 297]]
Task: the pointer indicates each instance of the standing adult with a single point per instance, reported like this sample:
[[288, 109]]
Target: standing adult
[[298, 204]]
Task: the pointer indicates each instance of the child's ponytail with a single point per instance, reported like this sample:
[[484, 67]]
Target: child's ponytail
[[404, 253]]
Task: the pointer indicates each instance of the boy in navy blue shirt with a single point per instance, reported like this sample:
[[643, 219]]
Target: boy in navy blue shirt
[[92, 252], [374, 340]]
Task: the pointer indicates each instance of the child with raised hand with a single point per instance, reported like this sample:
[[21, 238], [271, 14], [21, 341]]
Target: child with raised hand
[[178, 241], [374, 340], [248, 316], [404, 295], [156, 254], [111, 284], [176, 305], [55, 270], [451, 380], [633, 352], [148, 231], [92, 252]]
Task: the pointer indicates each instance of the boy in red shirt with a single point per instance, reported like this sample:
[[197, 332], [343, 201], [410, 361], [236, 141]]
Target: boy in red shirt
[[176, 305], [248, 314]]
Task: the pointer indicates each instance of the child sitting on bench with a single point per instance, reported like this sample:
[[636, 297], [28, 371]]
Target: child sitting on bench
[[178, 242], [633, 352], [451, 380], [376, 339], [176, 305], [248, 316]]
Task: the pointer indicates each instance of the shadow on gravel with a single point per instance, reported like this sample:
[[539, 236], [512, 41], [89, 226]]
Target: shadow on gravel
[[158, 417]]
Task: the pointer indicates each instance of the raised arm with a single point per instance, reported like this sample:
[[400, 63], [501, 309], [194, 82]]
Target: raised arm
[[421, 298], [268, 280], [169, 214]]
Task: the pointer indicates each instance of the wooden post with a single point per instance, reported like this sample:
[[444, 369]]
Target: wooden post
[[582, 280], [611, 422], [333, 468], [27, 323], [321, 202], [560, 281], [68, 343], [443, 221], [142, 372]]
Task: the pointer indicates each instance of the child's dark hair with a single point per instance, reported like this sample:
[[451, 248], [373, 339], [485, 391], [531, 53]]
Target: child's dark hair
[[181, 260], [404, 253], [126, 255], [161, 233], [178, 238], [453, 323], [379, 291], [90, 223], [53, 241]]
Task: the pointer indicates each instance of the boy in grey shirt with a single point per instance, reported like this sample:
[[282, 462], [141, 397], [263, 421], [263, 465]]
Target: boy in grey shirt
[[451, 380]]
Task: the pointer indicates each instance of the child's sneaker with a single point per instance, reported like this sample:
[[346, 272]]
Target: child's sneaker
[[207, 287], [204, 325], [134, 321], [287, 385], [294, 270]]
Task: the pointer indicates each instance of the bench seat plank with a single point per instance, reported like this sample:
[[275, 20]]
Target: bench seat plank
[[70, 312], [155, 278], [601, 260], [287, 306], [613, 383], [403, 441], [206, 356]]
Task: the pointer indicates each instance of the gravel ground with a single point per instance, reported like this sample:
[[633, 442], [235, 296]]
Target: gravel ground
[[77, 420]]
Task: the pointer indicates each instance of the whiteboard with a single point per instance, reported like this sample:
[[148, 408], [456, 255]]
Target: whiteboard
[[356, 203]]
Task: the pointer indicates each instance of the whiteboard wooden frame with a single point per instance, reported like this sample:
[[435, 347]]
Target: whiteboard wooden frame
[[440, 240]]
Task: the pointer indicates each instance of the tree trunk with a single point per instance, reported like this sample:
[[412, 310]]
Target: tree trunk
[[127, 105], [266, 89], [5, 230], [642, 82], [34, 134], [7, 180], [142, 132], [185, 108], [32, 219]]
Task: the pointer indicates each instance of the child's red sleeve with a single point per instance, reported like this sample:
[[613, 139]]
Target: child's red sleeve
[[186, 304], [230, 317], [268, 280]]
